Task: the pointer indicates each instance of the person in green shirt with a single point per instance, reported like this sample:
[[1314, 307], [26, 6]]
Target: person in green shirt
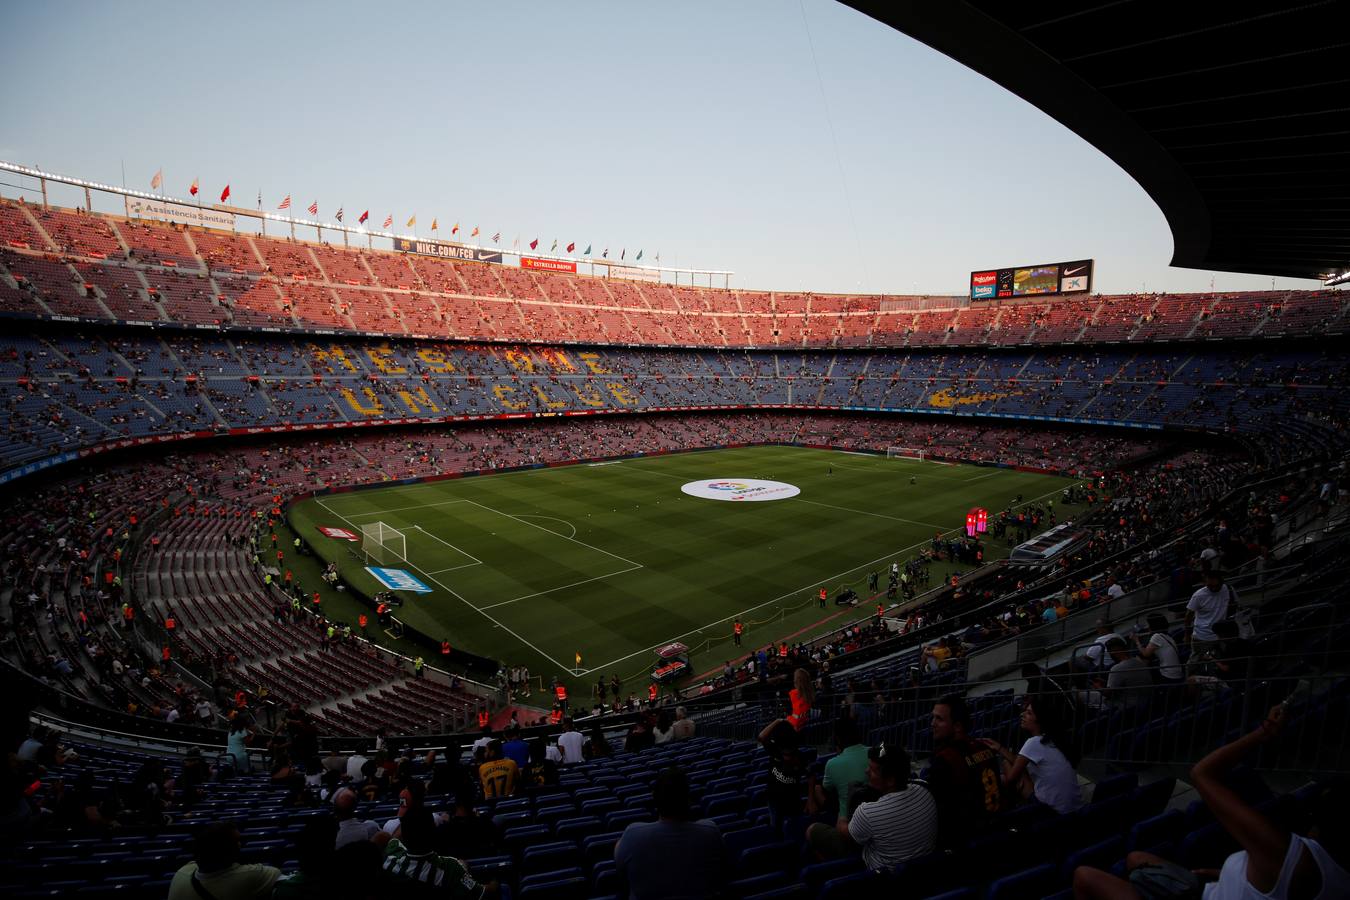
[[845, 772], [411, 857]]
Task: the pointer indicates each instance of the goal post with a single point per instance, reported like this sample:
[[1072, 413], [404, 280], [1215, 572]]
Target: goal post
[[383, 543], [906, 453]]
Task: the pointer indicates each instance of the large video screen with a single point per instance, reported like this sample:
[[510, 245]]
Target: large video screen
[[1029, 281]]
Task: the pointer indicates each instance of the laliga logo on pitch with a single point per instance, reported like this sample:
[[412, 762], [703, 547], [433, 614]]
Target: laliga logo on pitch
[[747, 489], [728, 485]]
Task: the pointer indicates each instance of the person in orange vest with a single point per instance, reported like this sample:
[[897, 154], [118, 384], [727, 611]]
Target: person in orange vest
[[240, 700], [555, 717], [736, 629], [560, 693], [823, 595], [316, 598], [169, 623], [652, 692], [164, 654], [281, 556], [881, 610], [362, 621], [782, 650], [128, 614], [483, 718], [445, 648], [274, 540], [289, 576]]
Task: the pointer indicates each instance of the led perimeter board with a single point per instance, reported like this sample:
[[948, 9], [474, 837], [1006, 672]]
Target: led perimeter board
[[1031, 281]]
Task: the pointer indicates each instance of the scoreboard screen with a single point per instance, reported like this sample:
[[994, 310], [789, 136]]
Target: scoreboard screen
[[1029, 281]]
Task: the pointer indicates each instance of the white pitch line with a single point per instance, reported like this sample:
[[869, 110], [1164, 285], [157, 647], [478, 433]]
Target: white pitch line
[[552, 519], [990, 475], [400, 508], [450, 545], [562, 587], [798, 591], [461, 599], [863, 512], [554, 533], [455, 568]]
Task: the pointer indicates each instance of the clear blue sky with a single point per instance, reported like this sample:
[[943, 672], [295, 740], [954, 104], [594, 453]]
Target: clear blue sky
[[699, 129]]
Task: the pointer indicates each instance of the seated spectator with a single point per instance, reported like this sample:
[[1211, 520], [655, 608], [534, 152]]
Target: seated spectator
[[1094, 657], [683, 729], [1044, 767], [237, 743], [314, 851], [570, 743], [674, 856], [1129, 681], [899, 821], [1162, 650], [497, 774], [350, 828], [596, 745], [785, 790], [661, 728], [963, 774], [467, 834], [411, 859], [1273, 862], [356, 768], [845, 772], [515, 748], [543, 768], [215, 870]]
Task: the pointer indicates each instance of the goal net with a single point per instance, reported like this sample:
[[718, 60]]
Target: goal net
[[383, 544], [905, 453]]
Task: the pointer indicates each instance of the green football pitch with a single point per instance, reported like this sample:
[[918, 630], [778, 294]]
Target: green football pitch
[[612, 560]]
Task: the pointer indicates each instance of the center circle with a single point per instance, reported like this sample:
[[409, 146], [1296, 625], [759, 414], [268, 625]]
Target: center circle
[[740, 489]]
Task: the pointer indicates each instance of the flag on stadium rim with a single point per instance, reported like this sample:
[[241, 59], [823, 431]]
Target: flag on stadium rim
[[157, 180], [623, 253], [285, 204], [534, 244], [412, 222], [496, 237], [571, 246], [554, 247], [587, 251], [474, 233], [365, 215], [314, 208], [455, 230], [434, 224], [193, 190], [605, 255], [388, 220], [515, 245], [339, 214], [225, 194], [639, 256]]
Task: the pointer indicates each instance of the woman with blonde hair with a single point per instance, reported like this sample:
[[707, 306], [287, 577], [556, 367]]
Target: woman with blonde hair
[[802, 697]]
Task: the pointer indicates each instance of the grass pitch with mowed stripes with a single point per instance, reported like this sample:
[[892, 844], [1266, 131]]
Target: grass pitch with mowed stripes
[[612, 560]]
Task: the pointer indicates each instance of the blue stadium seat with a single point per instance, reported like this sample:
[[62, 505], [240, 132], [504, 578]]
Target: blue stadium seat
[[1169, 826], [780, 856], [552, 875], [565, 889], [1116, 786], [1030, 884], [757, 884], [577, 828], [850, 887], [1099, 856], [543, 857], [815, 875]]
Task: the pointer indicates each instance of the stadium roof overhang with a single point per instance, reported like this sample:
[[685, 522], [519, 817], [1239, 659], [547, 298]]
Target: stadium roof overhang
[[1234, 119]]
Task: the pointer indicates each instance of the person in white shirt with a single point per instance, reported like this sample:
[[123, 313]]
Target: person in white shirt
[[1161, 647], [570, 742], [355, 763], [1113, 590], [902, 823], [1044, 767], [1208, 605], [1096, 654]]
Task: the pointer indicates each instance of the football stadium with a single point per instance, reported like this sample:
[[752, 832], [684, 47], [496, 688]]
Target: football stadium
[[347, 557]]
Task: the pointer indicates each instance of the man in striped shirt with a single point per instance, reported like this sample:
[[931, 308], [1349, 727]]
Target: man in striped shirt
[[411, 858], [902, 823]]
